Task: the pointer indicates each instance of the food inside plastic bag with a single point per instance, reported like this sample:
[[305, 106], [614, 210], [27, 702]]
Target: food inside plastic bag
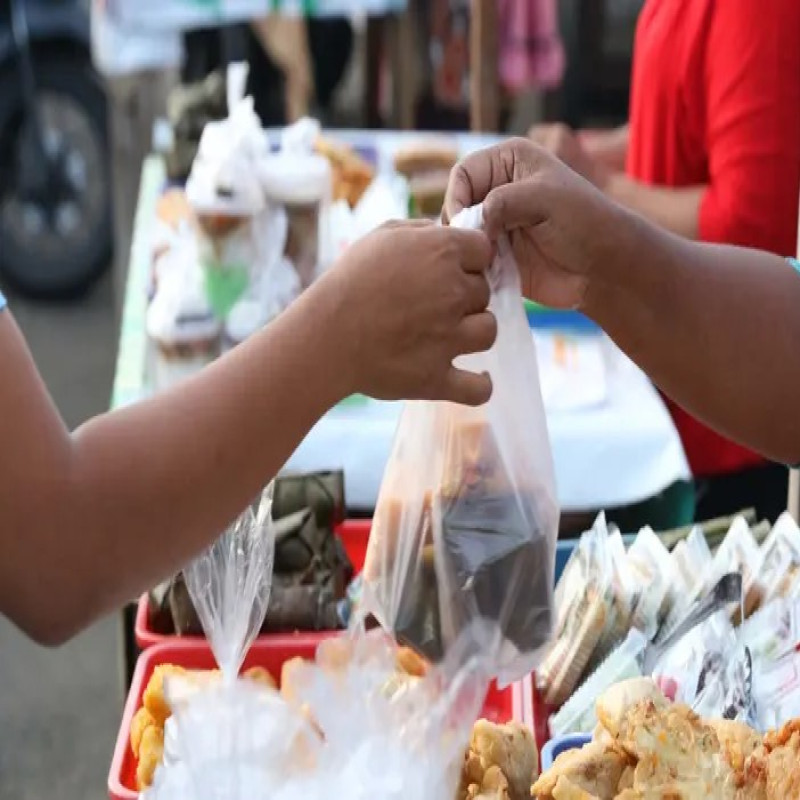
[[776, 686], [467, 516], [593, 603], [740, 553], [344, 726], [691, 562], [780, 559], [773, 631], [725, 686]]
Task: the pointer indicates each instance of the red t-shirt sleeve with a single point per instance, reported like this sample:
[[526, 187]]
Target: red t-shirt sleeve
[[753, 126]]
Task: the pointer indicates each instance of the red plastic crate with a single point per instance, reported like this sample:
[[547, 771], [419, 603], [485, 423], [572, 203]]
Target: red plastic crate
[[354, 535], [501, 705]]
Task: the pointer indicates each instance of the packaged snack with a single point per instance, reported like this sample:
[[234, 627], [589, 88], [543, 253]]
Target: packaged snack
[[182, 325], [740, 553], [299, 180], [467, 516], [652, 569], [588, 610], [772, 631], [780, 559], [578, 714], [692, 562], [725, 687], [776, 686]]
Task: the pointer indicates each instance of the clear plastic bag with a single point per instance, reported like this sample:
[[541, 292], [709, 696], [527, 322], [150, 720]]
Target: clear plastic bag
[[230, 584], [467, 516], [780, 559], [653, 571], [739, 552]]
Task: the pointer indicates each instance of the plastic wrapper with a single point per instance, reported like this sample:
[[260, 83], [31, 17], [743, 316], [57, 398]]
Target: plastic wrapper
[[300, 181], [773, 631], [725, 687], [593, 607], [776, 686], [467, 516], [653, 572], [578, 714], [692, 562], [239, 234], [230, 585], [343, 726], [780, 560], [739, 552], [181, 323]]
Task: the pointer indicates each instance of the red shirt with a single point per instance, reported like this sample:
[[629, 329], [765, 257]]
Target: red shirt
[[715, 100]]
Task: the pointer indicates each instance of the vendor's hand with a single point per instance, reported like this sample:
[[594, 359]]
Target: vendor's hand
[[564, 143], [413, 298], [563, 231]]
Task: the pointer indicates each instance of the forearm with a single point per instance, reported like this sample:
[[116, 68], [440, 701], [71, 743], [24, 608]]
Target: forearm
[[676, 210], [145, 488], [715, 327], [609, 147]]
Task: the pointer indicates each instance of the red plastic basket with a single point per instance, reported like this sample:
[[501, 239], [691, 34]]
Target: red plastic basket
[[501, 705], [354, 535]]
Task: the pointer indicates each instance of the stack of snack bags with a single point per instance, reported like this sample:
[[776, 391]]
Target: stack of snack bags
[[465, 526], [716, 667]]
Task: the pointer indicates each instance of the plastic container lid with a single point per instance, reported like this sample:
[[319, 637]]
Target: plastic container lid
[[290, 178]]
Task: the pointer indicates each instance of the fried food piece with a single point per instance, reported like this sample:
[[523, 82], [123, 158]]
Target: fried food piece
[[493, 785], [153, 699], [510, 747], [411, 663], [151, 753], [351, 174], [425, 156], [615, 704], [595, 768], [290, 671], [565, 789], [142, 720], [737, 740], [261, 676], [780, 769]]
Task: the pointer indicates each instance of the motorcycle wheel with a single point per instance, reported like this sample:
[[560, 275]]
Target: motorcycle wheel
[[56, 243]]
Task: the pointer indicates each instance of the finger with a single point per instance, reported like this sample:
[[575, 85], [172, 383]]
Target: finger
[[475, 333], [516, 205], [467, 388], [477, 292], [474, 249], [408, 223], [471, 180]]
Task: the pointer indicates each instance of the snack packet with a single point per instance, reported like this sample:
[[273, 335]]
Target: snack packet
[[578, 714], [467, 515], [780, 559], [589, 610], [239, 235], [652, 569], [773, 631], [725, 687], [776, 687]]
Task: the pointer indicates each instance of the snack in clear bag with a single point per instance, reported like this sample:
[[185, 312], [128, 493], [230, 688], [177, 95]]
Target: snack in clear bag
[[739, 552], [692, 567], [780, 559], [239, 234], [578, 714], [467, 516], [652, 569], [773, 631], [776, 686], [588, 610], [725, 687]]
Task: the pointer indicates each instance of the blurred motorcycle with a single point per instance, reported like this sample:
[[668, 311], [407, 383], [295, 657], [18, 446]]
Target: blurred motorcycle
[[56, 231]]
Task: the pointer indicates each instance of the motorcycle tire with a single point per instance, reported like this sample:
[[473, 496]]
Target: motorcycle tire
[[67, 266]]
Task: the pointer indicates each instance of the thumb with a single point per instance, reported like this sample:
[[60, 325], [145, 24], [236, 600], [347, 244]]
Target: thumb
[[515, 205], [467, 388]]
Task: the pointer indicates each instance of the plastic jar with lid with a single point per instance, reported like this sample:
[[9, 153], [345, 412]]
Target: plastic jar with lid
[[301, 183]]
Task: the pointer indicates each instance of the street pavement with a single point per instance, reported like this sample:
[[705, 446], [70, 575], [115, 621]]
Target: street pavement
[[60, 709]]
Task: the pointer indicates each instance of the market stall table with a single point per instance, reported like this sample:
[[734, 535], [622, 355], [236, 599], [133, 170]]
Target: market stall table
[[619, 450]]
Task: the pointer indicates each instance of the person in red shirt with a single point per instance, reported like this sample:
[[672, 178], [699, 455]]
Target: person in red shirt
[[711, 152]]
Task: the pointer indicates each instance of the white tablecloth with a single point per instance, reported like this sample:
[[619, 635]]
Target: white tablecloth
[[612, 453]]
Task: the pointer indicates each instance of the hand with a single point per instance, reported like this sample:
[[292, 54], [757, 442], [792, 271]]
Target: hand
[[413, 297], [563, 231], [565, 144]]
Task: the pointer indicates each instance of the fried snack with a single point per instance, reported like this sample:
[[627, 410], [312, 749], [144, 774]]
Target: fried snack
[[596, 768], [566, 790], [351, 174], [410, 663], [261, 676], [142, 720], [492, 785], [509, 749], [151, 754], [153, 698]]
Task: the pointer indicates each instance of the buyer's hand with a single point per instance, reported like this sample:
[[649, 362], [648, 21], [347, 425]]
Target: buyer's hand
[[566, 145], [413, 297], [564, 232]]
